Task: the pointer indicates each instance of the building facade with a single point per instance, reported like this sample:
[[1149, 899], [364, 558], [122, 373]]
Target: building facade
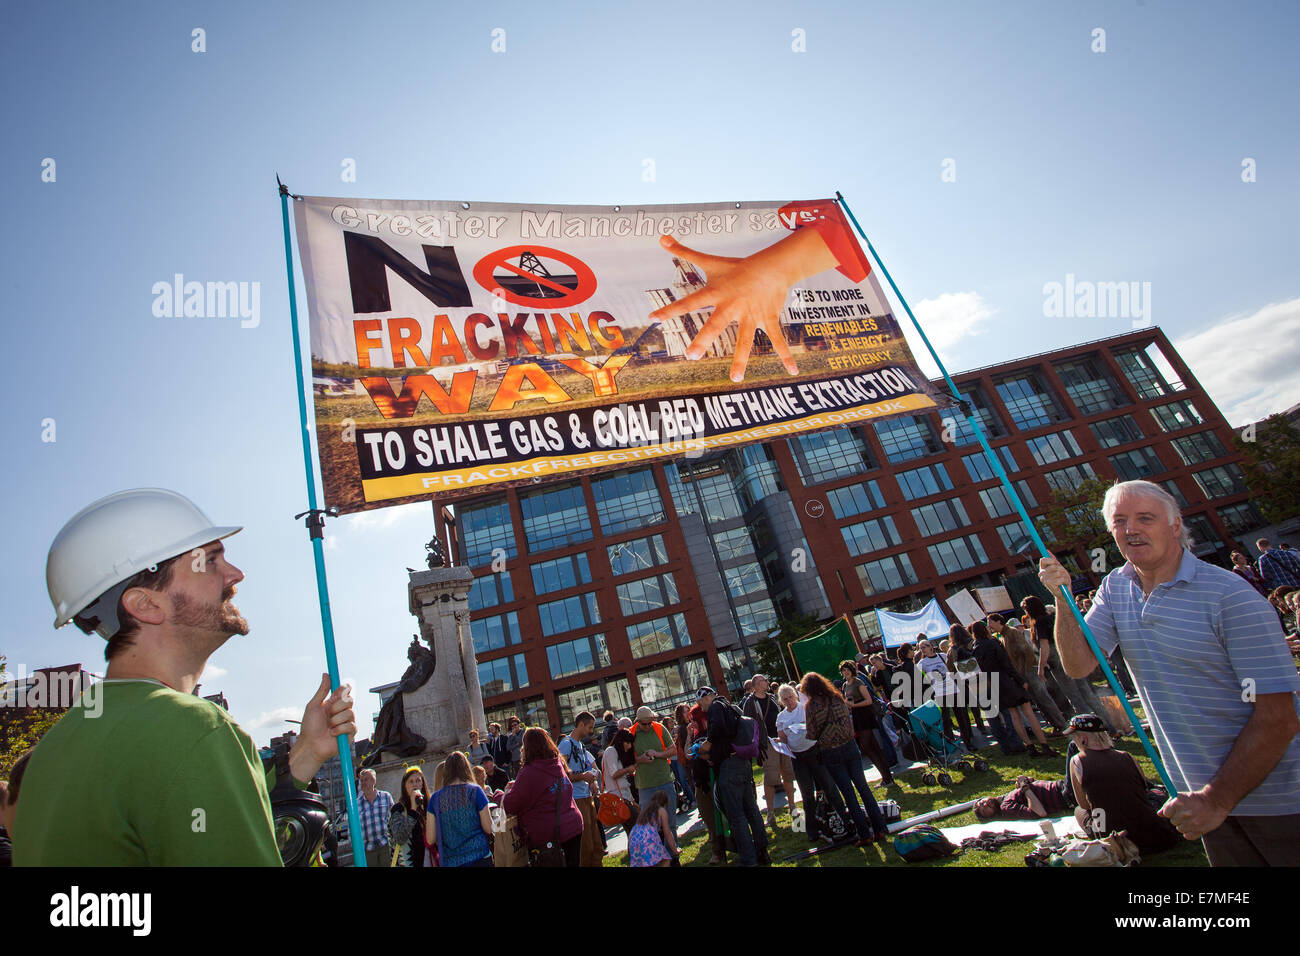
[[638, 585]]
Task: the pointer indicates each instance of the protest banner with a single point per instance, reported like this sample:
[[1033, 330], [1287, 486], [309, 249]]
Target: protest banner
[[902, 628], [458, 347]]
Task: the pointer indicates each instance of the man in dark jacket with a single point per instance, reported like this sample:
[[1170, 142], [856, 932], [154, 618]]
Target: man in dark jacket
[[777, 767], [1007, 684], [735, 776]]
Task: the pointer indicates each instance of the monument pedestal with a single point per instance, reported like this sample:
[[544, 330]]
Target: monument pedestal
[[449, 704]]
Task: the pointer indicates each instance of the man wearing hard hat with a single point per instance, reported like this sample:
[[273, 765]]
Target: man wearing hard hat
[[142, 771]]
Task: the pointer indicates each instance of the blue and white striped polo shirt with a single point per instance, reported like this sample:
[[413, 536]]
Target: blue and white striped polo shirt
[[1191, 645]]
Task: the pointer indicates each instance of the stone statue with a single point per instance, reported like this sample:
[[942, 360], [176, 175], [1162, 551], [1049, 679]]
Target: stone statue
[[436, 557], [391, 731]]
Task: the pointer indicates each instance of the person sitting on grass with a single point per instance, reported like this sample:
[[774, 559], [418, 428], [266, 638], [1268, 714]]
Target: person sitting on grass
[[1111, 790], [651, 842]]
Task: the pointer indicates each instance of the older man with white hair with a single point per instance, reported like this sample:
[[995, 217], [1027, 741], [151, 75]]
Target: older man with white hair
[[1214, 674]]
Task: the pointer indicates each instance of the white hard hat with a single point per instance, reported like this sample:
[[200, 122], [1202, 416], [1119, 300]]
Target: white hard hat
[[110, 541]]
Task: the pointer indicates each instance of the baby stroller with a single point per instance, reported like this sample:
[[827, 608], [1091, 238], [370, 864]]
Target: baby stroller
[[926, 730]]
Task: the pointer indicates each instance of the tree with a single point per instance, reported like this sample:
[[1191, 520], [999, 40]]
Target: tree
[[1272, 466], [21, 728], [772, 655], [1075, 515]]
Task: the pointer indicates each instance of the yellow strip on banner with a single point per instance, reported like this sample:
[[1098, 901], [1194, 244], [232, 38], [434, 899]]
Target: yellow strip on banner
[[402, 486]]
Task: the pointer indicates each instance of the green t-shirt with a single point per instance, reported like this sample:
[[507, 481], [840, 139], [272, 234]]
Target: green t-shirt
[[138, 774], [659, 772]]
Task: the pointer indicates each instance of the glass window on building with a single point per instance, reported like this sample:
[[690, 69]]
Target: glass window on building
[[758, 474], [1204, 537], [1142, 373], [626, 500], [745, 579], [489, 590], [757, 616], [733, 544], [1057, 446], [886, 574], [940, 517], [958, 554], [1222, 481], [494, 633], [710, 486], [1171, 486], [502, 675], [1139, 463], [486, 532], [905, 437], [955, 423], [1029, 401], [855, 499], [735, 671], [1066, 479], [1116, 431], [1241, 519], [647, 594], [1090, 386], [925, 481], [555, 517], [532, 712], [1015, 537], [569, 614], [1199, 447], [638, 554], [560, 573], [1177, 415], [827, 455], [672, 683], [979, 468], [998, 503], [658, 635], [612, 693], [868, 536], [578, 656]]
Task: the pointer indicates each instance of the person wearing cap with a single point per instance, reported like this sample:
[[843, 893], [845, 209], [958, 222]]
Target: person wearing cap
[[497, 778], [1214, 674], [1111, 792], [654, 748], [178, 781], [696, 744]]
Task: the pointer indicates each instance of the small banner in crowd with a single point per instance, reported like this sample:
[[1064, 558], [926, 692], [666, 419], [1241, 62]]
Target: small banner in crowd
[[897, 628], [823, 650], [994, 599], [458, 347], [963, 604]]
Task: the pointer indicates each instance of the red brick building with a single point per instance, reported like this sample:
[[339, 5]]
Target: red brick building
[[638, 585]]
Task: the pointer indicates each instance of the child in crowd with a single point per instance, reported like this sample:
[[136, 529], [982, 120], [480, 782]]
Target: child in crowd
[[651, 841]]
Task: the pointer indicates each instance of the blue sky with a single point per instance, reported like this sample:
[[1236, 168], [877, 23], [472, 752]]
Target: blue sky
[[1123, 165]]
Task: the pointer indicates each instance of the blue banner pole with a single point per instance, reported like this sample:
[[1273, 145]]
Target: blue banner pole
[[973, 420], [316, 524]]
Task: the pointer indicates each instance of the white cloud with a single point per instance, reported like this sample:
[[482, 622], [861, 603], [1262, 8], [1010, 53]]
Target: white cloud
[[1249, 362], [381, 518], [212, 672], [273, 721], [948, 320]]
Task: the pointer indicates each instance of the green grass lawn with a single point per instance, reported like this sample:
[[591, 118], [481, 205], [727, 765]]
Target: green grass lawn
[[914, 798]]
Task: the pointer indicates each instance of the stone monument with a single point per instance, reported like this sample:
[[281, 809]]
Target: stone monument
[[443, 708]]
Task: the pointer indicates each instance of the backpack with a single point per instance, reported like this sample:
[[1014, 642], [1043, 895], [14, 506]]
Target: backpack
[[747, 741], [923, 842]]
